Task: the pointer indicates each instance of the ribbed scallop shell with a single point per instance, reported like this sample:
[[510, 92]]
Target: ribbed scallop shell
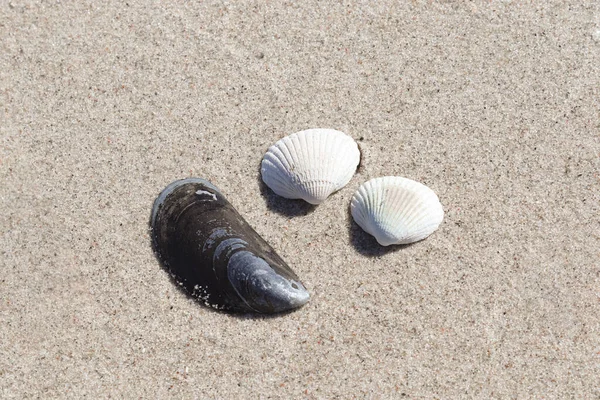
[[396, 210], [310, 164]]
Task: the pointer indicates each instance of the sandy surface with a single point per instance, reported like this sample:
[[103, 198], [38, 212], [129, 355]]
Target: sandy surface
[[494, 105]]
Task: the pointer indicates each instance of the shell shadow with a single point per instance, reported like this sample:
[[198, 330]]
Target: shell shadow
[[181, 289], [366, 244], [288, 207]]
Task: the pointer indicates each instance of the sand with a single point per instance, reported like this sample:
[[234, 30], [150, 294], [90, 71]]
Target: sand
[[494, 105]]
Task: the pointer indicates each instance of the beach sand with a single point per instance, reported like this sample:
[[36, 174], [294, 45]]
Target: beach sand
[[494, 105]]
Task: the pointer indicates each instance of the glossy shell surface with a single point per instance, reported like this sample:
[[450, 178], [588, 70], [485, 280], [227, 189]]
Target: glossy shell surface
[[310, 164], [212, 252], [396, 210]]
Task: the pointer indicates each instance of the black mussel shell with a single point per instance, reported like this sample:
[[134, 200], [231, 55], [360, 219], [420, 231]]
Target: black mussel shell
[[214, 254]]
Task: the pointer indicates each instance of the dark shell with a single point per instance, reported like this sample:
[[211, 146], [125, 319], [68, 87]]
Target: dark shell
[[214, 254]]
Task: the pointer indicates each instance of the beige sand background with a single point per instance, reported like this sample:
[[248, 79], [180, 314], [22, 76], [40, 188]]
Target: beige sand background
[[494, 105]]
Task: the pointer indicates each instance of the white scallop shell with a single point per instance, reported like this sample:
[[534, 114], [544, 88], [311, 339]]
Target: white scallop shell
[[396, 210], [310, 164]]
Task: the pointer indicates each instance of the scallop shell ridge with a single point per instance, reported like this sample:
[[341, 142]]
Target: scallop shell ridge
[[396, 210], [310, 164]]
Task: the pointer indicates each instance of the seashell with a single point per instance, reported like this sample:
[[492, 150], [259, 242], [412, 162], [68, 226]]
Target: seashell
[[216, 256], [310, 164], [396, 210]]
